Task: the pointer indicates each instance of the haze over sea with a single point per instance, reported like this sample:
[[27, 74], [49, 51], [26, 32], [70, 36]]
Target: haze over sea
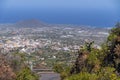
[[100, 13]]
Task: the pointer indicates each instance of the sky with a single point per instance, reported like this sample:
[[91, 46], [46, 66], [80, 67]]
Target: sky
[[101, 13]]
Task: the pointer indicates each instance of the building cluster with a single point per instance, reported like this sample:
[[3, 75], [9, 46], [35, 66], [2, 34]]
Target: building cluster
[[8, 44]]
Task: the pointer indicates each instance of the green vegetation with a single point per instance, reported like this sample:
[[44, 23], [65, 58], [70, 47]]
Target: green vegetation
[[96, 64], [14, 67], [26, 74], [62, 69]]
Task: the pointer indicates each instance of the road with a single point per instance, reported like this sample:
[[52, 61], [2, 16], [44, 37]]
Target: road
[[49, 76]]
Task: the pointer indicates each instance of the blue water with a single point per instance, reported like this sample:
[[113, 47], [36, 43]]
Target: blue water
[[98, 18], [100, 13]]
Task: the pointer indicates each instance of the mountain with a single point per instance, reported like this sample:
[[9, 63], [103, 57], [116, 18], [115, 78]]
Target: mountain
[[34, 23], [30, 23]]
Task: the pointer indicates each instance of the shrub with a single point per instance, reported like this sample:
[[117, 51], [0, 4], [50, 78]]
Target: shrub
[[26, 74]]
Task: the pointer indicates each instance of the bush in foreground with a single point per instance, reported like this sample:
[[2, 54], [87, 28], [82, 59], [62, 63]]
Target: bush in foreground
[[26, 74]]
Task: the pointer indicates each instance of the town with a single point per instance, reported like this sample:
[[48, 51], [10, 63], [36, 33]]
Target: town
[[48, 43]]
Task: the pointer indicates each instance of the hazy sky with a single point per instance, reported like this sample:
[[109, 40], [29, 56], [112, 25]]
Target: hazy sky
[[83, 12]]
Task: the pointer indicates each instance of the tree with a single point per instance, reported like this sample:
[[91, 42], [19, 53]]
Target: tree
[[113, 55], [23, 72], [80, 62], [6, 72]]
